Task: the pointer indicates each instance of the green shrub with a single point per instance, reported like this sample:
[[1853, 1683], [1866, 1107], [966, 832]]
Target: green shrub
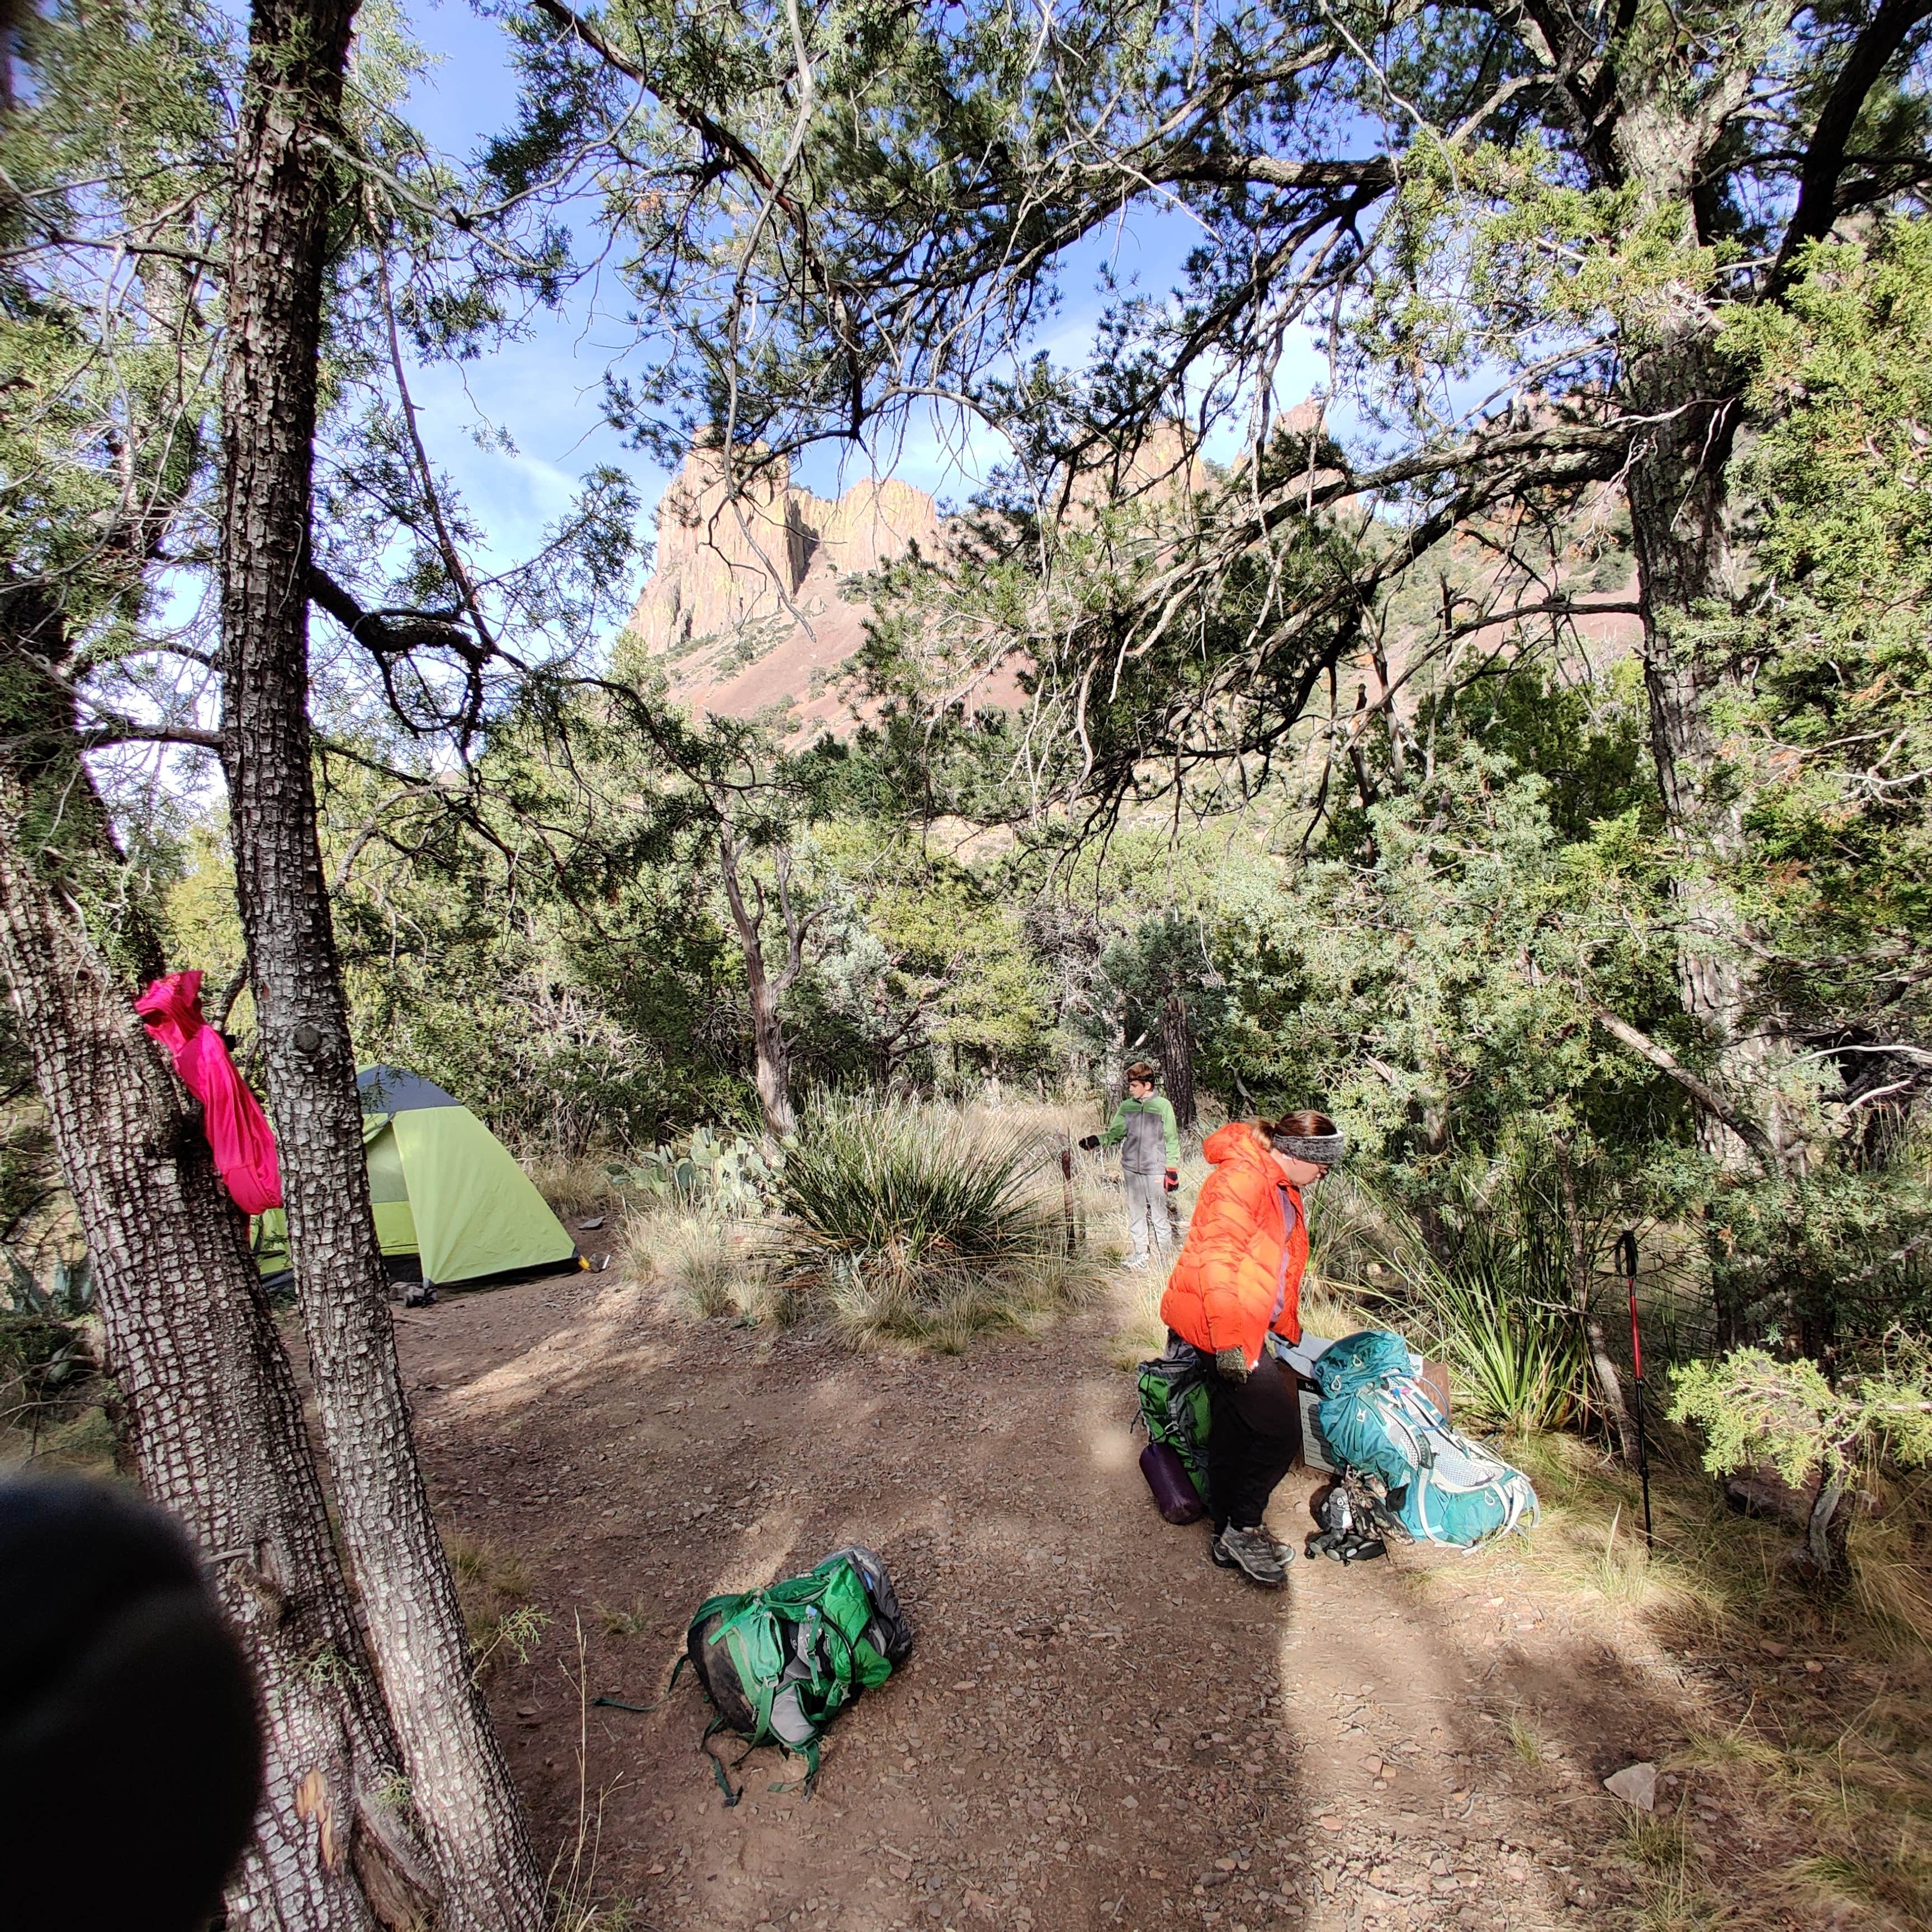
[[1818, 1433], [921, 1222], [733, 1177]]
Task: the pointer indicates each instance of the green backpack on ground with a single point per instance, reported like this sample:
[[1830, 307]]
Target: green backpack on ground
[[1174, 1407], [778, 1664]]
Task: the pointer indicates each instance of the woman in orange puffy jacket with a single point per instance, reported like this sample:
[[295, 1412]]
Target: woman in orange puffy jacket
[[1238, 1280]]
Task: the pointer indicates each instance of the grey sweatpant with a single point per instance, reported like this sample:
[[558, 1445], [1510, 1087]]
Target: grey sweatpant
[[1147, 1208]]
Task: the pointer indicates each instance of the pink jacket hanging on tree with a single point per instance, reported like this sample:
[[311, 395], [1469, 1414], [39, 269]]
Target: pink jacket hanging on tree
[[238, 1131]]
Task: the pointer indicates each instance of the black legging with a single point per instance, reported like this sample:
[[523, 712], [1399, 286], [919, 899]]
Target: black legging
[[1254, 1434]]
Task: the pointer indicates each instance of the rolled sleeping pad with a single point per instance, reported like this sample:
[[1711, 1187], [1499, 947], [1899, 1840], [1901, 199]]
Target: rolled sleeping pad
[[1173, 1492]]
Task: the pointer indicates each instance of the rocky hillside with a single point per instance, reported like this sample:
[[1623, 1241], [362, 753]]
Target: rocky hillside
[[747, 611], [744, 611]]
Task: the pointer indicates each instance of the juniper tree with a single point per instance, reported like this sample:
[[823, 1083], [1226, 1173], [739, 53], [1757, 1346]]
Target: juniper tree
[[236, 232], [1518, 232], [102, 454], [277, 233]]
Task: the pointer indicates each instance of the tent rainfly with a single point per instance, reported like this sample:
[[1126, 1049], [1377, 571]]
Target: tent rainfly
[[449, 1199]]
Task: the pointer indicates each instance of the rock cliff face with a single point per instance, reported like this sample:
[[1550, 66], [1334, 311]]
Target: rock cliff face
[[744, 612], [714, 615]]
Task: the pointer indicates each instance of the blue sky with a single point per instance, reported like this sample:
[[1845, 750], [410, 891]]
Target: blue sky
[[544, 390]]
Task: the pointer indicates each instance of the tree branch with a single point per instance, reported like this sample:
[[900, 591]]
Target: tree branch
[[127, 731], [1706, 1095], [713, 132], [388, 633], [224, 1000], [1375, 174], [1871, 52]]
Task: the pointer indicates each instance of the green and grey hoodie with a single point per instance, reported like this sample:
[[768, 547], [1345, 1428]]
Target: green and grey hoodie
[[1152, 1140]]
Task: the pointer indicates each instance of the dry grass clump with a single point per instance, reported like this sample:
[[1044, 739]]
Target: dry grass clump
[[1890, 1551], [1590, 1539], [615, 1621], [1523, 1738], [1828, 1752], [492, 1590], [705, 1264], [578, 1185]]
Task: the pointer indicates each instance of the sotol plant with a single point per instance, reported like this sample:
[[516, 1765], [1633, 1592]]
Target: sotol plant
[[917, 1220]]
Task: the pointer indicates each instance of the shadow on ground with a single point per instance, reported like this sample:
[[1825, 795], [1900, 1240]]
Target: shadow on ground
[[1099, 1728]]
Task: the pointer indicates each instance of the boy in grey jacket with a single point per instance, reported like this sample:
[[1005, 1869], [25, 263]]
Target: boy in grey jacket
[[1143, 1128]]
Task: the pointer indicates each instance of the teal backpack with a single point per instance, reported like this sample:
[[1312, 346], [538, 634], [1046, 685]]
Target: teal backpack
[[1379, 1420], [1173, 1407], [777, 1665]]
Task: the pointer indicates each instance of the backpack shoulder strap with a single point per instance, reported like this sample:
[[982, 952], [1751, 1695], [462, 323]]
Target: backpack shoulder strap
[[718, 1770]]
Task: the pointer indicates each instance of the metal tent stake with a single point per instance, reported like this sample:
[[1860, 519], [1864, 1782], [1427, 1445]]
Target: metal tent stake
[[1626, 1262]]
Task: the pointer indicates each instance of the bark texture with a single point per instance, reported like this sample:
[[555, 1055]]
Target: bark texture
[[208, 1406], [458, 1781], [764, 989], [1680, 525], [1177, 1057]]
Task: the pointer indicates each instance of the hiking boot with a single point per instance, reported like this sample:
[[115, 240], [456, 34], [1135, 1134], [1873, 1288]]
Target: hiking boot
[[1284, 1552], [1255, 1553]]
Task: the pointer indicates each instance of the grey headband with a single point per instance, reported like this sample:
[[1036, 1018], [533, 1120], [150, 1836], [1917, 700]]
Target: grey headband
[[1318, 1150]]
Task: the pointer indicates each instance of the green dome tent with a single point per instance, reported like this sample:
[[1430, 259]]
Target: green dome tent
[[449, 1197]]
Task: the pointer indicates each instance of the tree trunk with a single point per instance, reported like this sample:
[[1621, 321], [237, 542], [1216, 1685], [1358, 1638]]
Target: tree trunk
[[1679, 521], [1679, 527], [1681, 530], [1678, 517], [458, 1781], [1603, 1368], [1177, 1055], [1827, 1527], [771, 1055], [209, 1409]]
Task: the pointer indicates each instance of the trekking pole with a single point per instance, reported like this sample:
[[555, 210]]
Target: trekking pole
[[1066, 1194], [1626, 1262]]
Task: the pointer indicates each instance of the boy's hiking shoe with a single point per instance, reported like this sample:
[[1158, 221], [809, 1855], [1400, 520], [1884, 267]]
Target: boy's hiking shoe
[[1255, 1553]]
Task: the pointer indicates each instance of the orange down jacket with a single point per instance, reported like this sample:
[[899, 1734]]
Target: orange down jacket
[[1241, 1268]]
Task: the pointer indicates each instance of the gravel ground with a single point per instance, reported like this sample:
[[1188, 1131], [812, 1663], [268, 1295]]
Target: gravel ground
[[1098, 1728]]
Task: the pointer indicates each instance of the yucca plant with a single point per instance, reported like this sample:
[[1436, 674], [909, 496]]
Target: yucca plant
[[920, 1221], [1500, 1306], [1518, 1355], [1489, 1297]]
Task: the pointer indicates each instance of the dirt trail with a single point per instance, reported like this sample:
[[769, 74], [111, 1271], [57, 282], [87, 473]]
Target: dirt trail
[[1098, 1729]]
